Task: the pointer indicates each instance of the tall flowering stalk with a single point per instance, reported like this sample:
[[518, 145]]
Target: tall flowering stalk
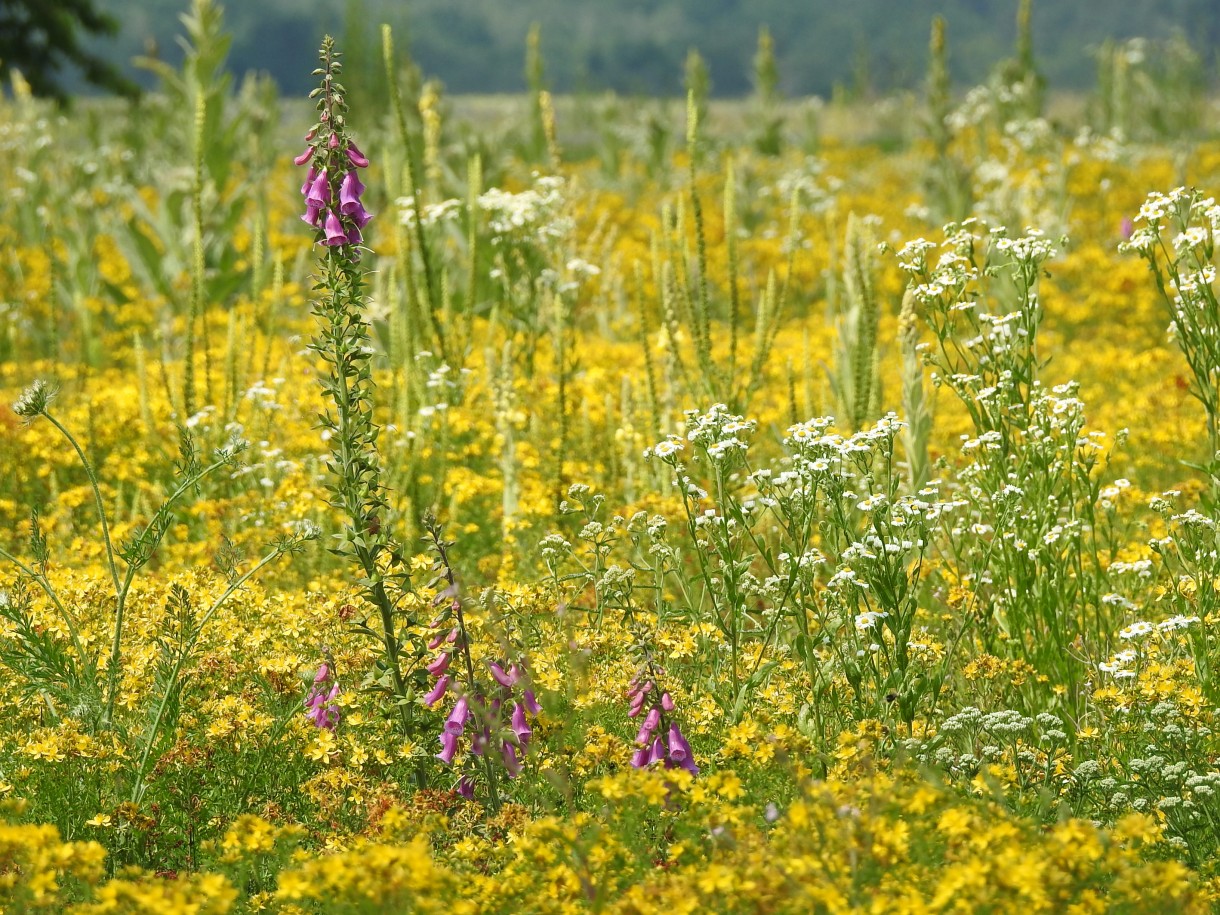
[[660, 738], [332, 191], [491, 712]]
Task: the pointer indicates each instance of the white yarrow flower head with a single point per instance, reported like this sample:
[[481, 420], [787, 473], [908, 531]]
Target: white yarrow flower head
[[35, 399]]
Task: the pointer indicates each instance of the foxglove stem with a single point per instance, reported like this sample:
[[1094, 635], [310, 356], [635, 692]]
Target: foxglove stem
[[343, 342]]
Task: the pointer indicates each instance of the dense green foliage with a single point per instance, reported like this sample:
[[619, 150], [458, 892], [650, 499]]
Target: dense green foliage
[[640, 45]]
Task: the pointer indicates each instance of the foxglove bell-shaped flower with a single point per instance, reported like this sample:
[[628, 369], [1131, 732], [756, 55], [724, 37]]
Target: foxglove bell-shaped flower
[[437, 692], [519, 725], [449, 745], [304, 157], [440, 663], [318, 192], [356, 157], [679, 750], [456, 722], [335, 233], [530, 702], [511, 763], [349, 194], [657, 753], [499, 674]]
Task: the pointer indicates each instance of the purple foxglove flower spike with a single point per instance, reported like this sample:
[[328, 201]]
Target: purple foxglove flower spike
[[437, 692], [449, 745]]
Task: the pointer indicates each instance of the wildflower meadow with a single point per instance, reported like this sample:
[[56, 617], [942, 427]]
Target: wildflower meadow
[[554, 504]]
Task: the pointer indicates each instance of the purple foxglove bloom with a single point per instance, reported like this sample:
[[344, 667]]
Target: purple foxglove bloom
[[667, 702], [311, 215], [679, 750], [509, 753], [653, 719], [453, 635], [436, 641], [466, 788], [639, 759], [440, 664], [322, 674], [456, 722], [304, 157], [310, 178], [333, 143], [644, 735], [437, 692], [449, 745], [1127, 227], [531, 704], [657, 752], [356, 156], [349, 194], [500, 676], [637, 706], [354, 237], [519, 725], [319, 192], [335, 235]]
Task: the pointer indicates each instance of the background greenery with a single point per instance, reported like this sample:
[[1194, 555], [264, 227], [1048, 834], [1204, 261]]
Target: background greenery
[[477, 46]]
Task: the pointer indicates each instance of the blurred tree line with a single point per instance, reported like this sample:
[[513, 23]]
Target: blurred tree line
[[639, 46]]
